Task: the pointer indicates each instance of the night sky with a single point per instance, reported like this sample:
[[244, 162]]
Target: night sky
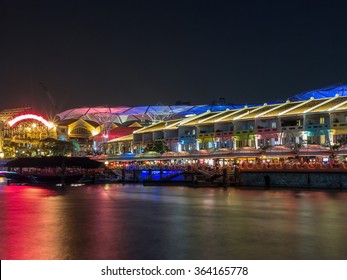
[[93, 53]]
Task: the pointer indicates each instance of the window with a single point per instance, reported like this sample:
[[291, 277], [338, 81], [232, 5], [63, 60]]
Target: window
[[321, 120], [81, 131], [273, 125]]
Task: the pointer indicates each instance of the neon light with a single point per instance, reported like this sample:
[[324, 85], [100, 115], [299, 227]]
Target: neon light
[[30, 116]]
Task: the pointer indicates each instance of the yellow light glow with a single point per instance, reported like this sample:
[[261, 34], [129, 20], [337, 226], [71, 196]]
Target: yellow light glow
[[52, 125]]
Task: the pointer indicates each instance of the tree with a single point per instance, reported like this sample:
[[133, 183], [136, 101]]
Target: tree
[[9, 149], [156, 146], [54, 147]]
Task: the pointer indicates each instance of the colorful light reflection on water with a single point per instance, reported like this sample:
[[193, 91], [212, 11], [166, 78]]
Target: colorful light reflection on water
[[134, 222]]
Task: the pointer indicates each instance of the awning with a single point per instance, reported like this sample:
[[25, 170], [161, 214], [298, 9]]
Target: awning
[[314, 150]]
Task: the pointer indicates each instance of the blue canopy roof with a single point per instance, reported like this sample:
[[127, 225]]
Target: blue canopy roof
[[326, 92], [122, 114]]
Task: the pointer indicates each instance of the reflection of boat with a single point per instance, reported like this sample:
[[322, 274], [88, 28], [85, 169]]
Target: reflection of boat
[[63, 178], [39, 179], [51, 170], [18, 179]]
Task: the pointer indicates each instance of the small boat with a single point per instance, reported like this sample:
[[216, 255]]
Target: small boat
[[47, 180], [19, 179], [52, 171]]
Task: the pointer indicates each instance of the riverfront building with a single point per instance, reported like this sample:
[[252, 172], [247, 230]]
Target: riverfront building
[[21, 132], [316, 118]]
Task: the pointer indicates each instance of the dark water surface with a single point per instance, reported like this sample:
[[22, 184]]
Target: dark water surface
[[134, 222]]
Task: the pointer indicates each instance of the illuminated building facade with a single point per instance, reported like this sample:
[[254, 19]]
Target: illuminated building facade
[[80, 132], [318, 117], [26, 134], [22, 131]]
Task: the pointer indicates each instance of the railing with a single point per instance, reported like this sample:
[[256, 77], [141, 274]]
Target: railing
[[187, 136], [244, 131], [267, 130], [291, 128], [337, 125], [207, 134], [317, 126]]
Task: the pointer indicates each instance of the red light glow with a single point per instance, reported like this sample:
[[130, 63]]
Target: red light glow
[[30, 116]]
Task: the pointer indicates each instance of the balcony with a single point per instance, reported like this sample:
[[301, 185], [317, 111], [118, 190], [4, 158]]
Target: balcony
[[159, 137], [168, 139], [339, 125], [243, 132], [185, 136], [267, 130], [317, 126], [229, 133], [203, 135], [293, 128]]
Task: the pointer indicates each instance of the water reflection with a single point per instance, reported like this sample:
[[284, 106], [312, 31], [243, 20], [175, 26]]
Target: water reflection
[[136, 222], [29, 223]]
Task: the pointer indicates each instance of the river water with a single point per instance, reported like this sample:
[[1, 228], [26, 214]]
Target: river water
[[116, 221]]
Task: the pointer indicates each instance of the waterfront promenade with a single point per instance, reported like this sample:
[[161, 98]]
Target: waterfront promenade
[[289, 173], [199, 173]]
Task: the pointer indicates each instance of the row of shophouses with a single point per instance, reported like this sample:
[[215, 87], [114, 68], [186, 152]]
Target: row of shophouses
[[320, 121], [296, 124]]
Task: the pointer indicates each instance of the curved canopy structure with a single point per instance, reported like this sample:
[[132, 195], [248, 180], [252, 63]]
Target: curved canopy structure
[[326, 92], [123, 114]]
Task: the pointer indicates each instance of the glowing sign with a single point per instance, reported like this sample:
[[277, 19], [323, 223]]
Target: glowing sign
[[30, 116]]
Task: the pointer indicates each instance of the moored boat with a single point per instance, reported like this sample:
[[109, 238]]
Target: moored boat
[[52, 170]]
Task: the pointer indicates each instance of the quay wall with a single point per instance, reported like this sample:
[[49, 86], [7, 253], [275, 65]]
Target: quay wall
[[315, 180]]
